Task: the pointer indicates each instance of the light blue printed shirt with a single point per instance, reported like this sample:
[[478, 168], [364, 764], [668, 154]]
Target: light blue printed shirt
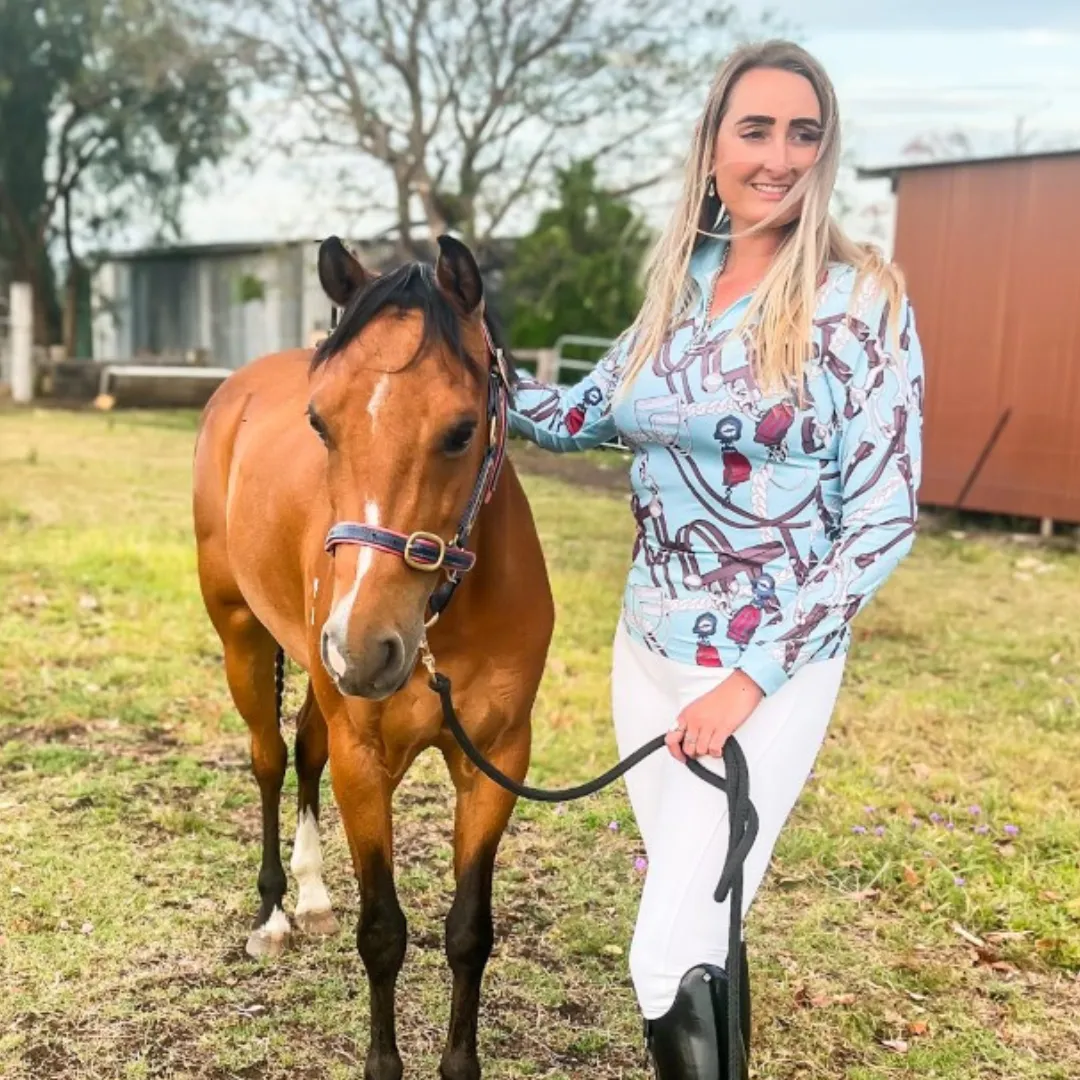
[[763, 526]]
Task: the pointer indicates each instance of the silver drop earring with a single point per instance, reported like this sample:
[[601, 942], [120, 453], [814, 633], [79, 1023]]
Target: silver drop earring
[[711, 190]]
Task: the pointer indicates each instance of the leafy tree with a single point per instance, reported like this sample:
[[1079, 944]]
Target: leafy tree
[[577, 272], [121, 103]]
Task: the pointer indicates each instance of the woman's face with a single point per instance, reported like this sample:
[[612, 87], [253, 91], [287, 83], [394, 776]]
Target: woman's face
[[768, 138]]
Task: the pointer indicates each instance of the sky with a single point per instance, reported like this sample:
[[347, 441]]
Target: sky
[[902, 69]]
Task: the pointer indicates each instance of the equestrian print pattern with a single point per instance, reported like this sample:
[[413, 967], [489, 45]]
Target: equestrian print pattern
[[765, 522]]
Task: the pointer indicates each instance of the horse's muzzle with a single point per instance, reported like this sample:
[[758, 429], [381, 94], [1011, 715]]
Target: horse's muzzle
[[379, 669]]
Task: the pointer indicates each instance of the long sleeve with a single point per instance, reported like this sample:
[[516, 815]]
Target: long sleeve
[[578, 417], [878, 396]]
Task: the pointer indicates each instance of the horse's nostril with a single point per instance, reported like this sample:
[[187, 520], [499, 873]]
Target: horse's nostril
[[394, 651]]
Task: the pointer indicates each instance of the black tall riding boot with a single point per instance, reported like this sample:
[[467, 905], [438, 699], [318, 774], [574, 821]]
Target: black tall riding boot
[[690, 1041]]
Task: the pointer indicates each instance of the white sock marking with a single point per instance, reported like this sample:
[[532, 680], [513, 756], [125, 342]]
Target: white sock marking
[[277, 925], [306, 865]]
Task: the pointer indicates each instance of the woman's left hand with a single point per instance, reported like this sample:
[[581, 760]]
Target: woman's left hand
[[705, 724]]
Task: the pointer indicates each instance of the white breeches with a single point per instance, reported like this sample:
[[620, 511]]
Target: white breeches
[[683, 821]]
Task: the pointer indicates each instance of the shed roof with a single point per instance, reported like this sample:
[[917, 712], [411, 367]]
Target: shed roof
[[890, 172]]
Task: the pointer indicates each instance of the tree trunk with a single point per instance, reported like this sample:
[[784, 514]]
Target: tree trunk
[[69, 336]]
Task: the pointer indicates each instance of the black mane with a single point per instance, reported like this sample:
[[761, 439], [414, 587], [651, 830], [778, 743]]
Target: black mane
[[410, 287]]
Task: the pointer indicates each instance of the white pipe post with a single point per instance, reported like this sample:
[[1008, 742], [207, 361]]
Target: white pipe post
[[22, 343]]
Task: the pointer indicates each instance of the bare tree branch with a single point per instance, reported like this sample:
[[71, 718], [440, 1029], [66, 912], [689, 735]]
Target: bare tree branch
[[470, 104]]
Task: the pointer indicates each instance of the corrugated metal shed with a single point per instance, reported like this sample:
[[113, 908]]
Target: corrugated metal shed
[[232, 302], [991, 250]]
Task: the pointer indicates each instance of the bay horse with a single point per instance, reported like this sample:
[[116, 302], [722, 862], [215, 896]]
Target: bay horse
[[382, 430]]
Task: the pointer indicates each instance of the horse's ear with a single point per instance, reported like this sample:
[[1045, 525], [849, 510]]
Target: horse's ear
[[458, 275], [340, 274]]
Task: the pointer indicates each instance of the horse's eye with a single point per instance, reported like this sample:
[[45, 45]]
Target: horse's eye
[[318, 425], [456, 441]]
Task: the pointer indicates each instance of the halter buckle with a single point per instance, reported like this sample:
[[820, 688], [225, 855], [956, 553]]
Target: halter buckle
[[422, 563]]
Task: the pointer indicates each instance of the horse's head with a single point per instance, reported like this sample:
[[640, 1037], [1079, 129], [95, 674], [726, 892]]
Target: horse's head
[[399, 400]]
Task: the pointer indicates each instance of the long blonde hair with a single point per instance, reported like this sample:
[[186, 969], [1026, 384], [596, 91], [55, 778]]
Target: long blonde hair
[[780, 316]]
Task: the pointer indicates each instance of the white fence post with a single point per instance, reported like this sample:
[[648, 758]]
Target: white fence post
[[22, 343], [547, 365]]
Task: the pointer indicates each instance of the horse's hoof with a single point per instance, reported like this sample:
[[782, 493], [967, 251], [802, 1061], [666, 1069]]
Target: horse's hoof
[[271, 939], [317, 923]]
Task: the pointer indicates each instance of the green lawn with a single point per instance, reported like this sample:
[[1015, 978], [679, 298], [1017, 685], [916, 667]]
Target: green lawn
[[922, 917]]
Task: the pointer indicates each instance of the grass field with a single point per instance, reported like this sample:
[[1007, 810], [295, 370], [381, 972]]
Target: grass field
[[922, 917]]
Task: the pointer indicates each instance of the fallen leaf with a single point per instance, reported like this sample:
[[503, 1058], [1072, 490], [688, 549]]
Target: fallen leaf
[[16, 891], [86, 928], [918, 1027], [862, 894], [844, 999], [1048, 894], [921, 770], [892, 1017], [916, 997], [911, 877], [1005, 967], [1007, 850], [612, 950], [88, 602], [898, 1046]]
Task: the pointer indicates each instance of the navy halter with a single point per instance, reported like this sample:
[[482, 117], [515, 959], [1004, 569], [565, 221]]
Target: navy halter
[[427, 551]]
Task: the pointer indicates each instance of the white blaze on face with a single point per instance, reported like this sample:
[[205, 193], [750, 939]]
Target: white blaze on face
[[306, 865], [378, 396], [337, 626]]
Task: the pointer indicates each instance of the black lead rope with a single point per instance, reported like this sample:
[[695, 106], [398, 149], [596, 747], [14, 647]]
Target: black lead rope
[[742, 826]]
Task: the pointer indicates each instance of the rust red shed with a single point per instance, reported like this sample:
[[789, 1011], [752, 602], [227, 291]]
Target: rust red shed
[[991, 250]]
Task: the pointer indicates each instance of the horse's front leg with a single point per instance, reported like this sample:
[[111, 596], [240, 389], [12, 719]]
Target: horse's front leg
[[364, 793], [483, 809]]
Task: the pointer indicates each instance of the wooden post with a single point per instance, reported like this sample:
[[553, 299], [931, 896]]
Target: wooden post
[[1046, 528], [547, 365], [22, 343]]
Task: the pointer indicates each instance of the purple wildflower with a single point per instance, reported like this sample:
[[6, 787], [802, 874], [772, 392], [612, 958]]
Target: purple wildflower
[[1011, 830], [949, 826], [641, 864], [935, 817], [974, 810], [613, 826], [982, 830], [959, 881], [859, 829], [870, 809], [879, 831]]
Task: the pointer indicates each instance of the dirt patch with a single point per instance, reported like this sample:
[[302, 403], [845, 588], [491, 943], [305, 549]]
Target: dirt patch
[[573, 468]]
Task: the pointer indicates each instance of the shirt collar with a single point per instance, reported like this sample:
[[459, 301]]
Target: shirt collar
[[705, 261]]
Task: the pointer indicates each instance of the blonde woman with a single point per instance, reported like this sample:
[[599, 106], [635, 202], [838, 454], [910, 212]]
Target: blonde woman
[[770, 390]]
